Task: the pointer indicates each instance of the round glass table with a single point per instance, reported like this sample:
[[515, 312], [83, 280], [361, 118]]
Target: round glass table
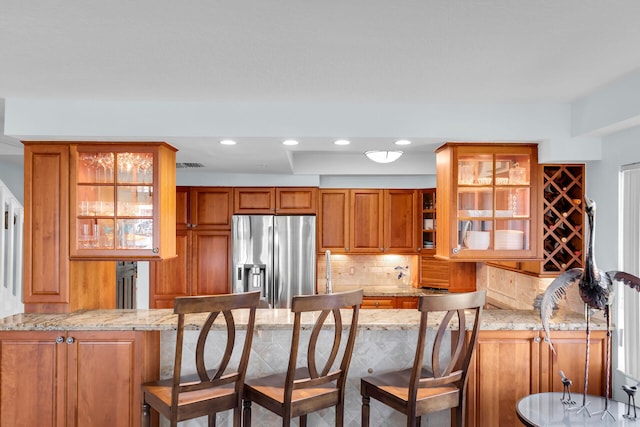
[[546, 409]]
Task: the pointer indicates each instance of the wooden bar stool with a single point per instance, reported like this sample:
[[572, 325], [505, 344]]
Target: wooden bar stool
[[305, 389], [423, 389], [209, 391]]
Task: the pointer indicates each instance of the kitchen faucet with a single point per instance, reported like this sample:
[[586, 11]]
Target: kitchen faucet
[[329, 289]]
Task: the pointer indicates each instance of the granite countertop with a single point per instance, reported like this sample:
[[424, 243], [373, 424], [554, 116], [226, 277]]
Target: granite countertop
[[385, 290], [269, 319]]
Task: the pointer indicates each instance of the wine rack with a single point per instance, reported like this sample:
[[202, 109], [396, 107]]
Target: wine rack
[[562, 225], [563, 213]]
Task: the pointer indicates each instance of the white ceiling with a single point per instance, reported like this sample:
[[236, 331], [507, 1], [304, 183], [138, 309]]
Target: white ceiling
[[313, 52]]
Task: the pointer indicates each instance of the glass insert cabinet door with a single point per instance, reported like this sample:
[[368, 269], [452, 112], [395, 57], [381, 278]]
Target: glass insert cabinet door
[[495, 215], [113, 201]]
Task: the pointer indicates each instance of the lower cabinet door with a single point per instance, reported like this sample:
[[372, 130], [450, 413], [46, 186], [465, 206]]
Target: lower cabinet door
[[76, 378], [32, 391], [570, 357], [102, 380], [503, 370]]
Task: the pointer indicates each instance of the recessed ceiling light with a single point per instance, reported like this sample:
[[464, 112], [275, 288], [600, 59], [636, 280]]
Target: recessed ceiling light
[[290, 142], [228, 142], [341, 142], [403, 142]]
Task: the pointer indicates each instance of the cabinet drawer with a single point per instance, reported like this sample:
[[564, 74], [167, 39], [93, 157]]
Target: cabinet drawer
[[375, 302]]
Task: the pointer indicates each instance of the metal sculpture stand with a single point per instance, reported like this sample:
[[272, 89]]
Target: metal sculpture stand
[[631, 403], [566, 390]]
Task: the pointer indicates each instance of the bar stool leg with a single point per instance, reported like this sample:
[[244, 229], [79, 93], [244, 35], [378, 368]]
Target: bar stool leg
[[365, 411], [246, 413]]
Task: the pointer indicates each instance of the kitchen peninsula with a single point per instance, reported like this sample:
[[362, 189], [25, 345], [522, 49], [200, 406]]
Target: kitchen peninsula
[[386, 340]]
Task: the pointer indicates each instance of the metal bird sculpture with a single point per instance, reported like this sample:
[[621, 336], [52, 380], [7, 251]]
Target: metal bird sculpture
[[596, 288]]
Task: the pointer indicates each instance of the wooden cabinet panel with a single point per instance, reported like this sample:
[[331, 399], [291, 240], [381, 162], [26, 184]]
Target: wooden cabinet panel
[[170, 278], [366, 225], [367, 221], [333, 220], [122, 201], [400, 221], [296, 200], [211, 208], [254, 200], [488, 203], [210, 262], [32, 390], [454, 276], [66, 372], [571, 352], [182, 208], [275, 200], [505, 369], [52, 283], [407, 302], [46, 223], [203, 246], [378, 302], [508, 365]]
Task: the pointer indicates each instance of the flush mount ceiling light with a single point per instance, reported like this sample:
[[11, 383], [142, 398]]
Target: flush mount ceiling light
[[341, 142], [228, 142], [381, 156], [290, 142]]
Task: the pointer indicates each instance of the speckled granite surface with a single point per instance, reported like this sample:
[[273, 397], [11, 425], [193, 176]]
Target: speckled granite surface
[[267, 319]]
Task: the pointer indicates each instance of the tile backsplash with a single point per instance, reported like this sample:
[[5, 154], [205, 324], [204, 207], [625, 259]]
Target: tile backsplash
[[374, 270]]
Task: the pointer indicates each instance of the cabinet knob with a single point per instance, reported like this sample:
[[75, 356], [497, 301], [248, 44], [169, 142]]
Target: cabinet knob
[[377, 304], [70, 340], [59, 340], [155, 250], [536, 340]]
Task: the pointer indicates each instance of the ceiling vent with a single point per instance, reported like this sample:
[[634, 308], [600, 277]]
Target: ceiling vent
[[189, 165]]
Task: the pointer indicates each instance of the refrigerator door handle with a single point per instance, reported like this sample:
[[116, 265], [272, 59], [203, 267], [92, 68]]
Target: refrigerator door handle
[[275, 288]]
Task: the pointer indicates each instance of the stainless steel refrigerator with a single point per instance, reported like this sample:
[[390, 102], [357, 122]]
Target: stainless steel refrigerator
[[275, 255]]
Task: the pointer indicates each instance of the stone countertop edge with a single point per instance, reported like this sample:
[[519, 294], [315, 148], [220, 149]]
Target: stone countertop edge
[[272, 319]]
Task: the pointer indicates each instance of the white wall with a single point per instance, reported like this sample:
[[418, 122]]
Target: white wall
[[12, 174], [602, 183]]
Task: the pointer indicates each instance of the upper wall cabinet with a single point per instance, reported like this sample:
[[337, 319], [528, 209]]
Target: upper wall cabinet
[[368, 221], [487, 202], [275, 201], [122, 201]]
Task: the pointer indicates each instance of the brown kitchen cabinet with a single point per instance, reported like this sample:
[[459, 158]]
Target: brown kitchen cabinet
[[367, 221], [56, 378], [334, 208], [509, 365], [438, 273], [563, 220], [52, 282], [203, 246], [401, 221], [378, 302], [407, 302], [427, 221], [410, 302], [487, 200], [449, 275], [122, 198], [275, 200]]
